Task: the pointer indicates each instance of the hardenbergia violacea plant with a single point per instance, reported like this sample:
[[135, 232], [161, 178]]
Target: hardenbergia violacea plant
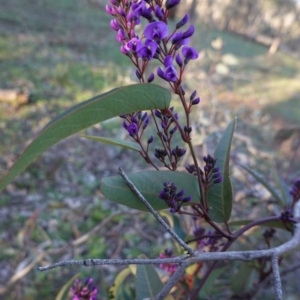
[[201, 194]]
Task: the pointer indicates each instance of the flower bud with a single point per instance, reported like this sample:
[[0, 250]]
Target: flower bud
[[182, 22]]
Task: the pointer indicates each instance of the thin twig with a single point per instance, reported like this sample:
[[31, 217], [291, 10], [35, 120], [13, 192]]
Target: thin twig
[[171, 283], [100, 262], [276, 277], [186, 260], [155, 214]]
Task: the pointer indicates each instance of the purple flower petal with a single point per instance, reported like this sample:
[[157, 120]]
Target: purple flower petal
[[156, 31], [171, 74], [168, 61], [182, 22], [160, 73], [189, 53], [189, 32]]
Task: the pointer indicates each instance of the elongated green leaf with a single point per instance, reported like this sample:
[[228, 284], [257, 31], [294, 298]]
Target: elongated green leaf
[[220, 195], [113, 291], [114, 103], [281, 188], [114, 142], [272, 224], [242, 279], [148, 283], [209, 284], [150, 184], [265, 183]]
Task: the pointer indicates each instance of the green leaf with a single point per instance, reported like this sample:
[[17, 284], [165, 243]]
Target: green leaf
[[113, 291], [282, 189], [65, 289], [114, 142], [272, 224], [242, 279], [264, 182], [119, 101], [148, 283], [209, 284], [150, 184], [220, 194]]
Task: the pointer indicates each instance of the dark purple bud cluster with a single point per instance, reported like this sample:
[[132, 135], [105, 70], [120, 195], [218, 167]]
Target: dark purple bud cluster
[[173, 199], [287, 215], [84, 290], [210, 174], [268, 235], [193, 99], [169, 268], [135, 124]]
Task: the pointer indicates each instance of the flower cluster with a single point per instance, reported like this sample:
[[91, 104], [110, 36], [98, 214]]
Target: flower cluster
[[173, 199], [210, 174], [169, 268], [155, 42], [135, 123], [84, 290], [208, 241]]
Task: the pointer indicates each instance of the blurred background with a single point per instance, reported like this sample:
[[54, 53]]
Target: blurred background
[[54, 54]]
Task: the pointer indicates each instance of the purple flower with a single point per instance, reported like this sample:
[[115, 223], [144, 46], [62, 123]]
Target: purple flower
[[148, 51], [132, 129], [171, 3], [150, 140], [134, 45], [156, 31], [169, 268], [179, 61], [121, 35], [159, 12], [171, 74], [179, 40], [189, 53], [182, 22], [178, 152], [150, 78], [189, 32], [211, 174], [195, 101], [173, 199], [84, 290], [110, 10], [124, 50], [114, 24], [161, 73]]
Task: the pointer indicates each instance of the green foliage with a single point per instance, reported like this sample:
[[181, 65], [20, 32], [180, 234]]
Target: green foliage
[[279, 194], [148, 283], [243, 278], [220, 195], [150, 184], [209, 284], [111, 104], [114, 142]]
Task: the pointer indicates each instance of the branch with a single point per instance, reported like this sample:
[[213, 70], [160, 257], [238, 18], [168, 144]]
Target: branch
[[194, 257]]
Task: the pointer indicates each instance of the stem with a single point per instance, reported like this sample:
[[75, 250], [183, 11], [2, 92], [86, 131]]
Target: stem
[[194, 295], [255, 223]]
